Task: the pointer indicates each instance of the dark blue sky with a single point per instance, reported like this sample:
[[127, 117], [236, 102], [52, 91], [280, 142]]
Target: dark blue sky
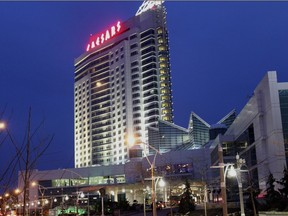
[[219, 52]]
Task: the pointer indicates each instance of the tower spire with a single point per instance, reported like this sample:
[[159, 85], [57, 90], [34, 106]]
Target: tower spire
[[148, 4]]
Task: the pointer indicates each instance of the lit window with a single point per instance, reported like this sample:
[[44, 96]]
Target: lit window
[[165, 105], [161, 48], [164, 98]]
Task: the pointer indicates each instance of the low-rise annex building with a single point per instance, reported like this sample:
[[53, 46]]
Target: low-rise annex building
[[259, 133], [130, 181]]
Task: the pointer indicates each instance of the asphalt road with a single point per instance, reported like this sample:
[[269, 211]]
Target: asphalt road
[[163, 212]]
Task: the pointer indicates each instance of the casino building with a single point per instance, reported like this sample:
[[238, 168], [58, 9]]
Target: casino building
[[122, 86]]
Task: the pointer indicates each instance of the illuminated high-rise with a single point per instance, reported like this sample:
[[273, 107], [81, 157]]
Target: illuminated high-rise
[[122, 86]]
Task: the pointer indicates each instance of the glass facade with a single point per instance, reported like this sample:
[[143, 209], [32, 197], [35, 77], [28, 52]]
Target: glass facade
[[246, 139], [241, 144], [185, 169], [167, 136], [228, 119], [199, 130], [95, 180], [283, 97]]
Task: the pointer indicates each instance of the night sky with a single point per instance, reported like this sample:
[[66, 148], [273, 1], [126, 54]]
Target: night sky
[[219, 52]]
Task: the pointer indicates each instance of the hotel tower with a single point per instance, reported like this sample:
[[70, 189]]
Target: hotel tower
[[122, 86]]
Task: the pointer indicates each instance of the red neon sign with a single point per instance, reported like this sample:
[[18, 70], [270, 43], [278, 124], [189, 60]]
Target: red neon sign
[[98, 39]]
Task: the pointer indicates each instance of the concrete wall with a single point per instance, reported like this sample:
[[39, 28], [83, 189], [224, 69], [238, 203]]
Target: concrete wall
[[263, 111]]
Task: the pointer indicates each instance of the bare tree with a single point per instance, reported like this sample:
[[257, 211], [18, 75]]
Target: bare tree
[[25, 158]]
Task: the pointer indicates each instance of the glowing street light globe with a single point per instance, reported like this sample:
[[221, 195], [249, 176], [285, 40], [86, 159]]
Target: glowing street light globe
[[232, 172], [2, 125], [161, 183]]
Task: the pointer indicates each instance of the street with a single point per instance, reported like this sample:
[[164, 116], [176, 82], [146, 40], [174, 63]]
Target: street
[[163, 212]]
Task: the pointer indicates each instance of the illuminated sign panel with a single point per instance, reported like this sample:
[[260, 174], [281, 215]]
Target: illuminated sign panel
[[98, 39]]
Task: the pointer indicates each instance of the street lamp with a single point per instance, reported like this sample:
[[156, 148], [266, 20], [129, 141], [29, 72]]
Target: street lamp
[[159, 181], [2, 128], [236, 172], [233, 172], [131, 141], [2, 125], [153, 185], [239, 163], [63, 199], [144, 196], [223, 173], [82, 196], [162, 183], [42, 190], [231, 169]]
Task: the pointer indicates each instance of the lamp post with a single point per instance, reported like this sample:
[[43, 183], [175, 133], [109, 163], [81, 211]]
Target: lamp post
[[15, 199], [88, 211], [162, 185], [102, 193], [144, 205], [223, 185], [223, 173], [222, 179], [131, 141], [237, 173], [205, 199], [82, 196], [229, 167], [42, 192], [64, 198], [78, 180], [170, 194], [153, 185], [239, 163]]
